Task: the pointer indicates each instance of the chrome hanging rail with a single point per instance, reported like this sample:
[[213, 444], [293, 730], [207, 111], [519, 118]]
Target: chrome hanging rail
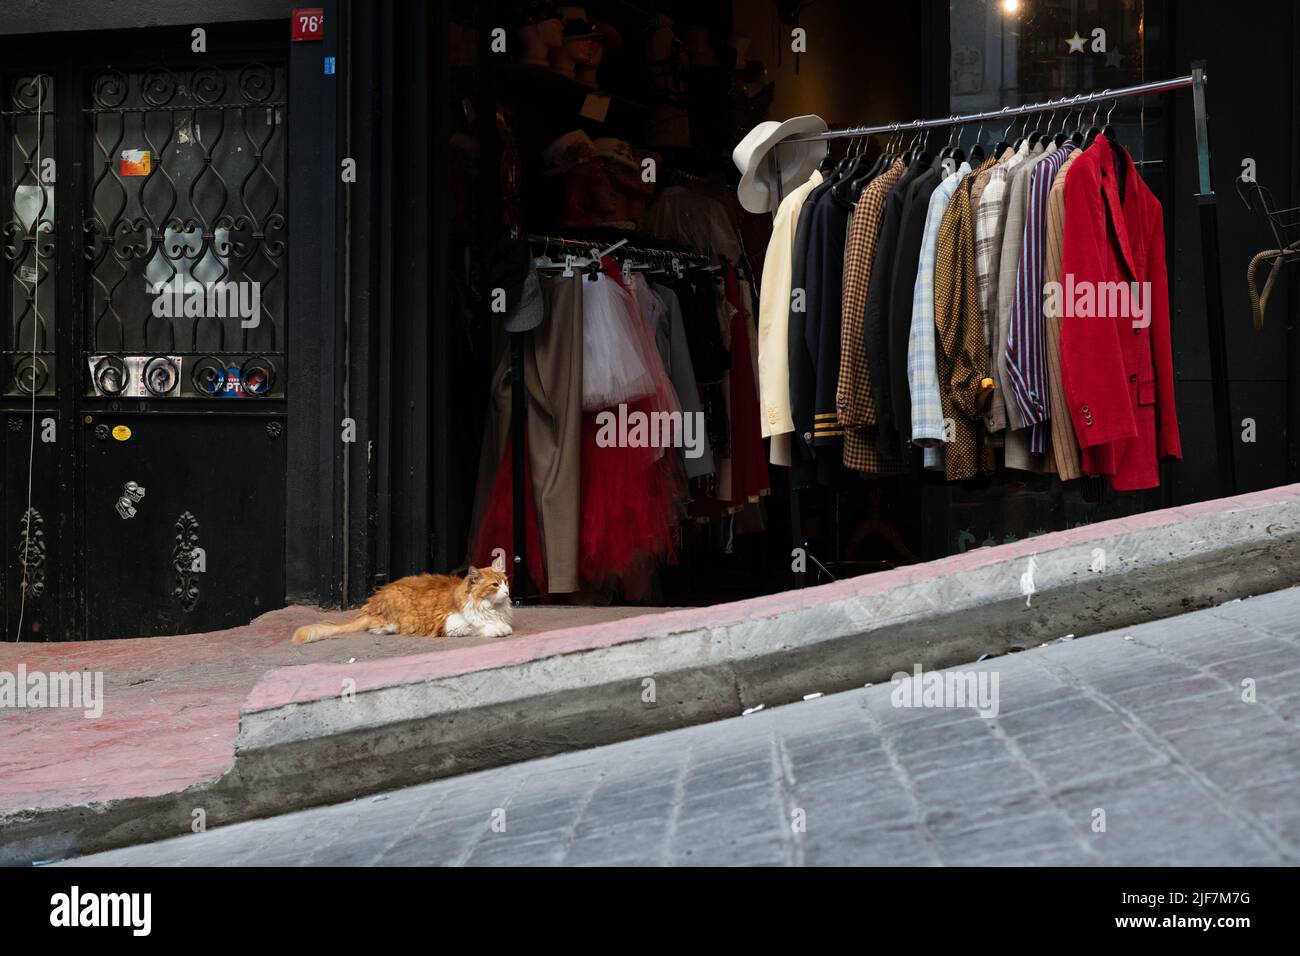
[[622, 246], [1007, 112]]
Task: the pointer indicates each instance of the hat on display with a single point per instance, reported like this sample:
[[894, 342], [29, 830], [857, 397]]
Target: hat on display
[[757, 192], [568, 152], [537, 11], [608, 34], [616, 150], [575, 29]]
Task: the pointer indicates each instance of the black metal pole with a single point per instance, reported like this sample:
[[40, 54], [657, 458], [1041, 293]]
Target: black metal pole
[[1213, 285], [519, 583]]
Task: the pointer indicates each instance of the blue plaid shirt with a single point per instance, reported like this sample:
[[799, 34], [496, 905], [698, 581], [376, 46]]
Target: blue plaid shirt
[[922, 366]]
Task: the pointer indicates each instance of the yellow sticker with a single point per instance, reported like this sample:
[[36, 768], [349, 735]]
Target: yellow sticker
[[121, 432]]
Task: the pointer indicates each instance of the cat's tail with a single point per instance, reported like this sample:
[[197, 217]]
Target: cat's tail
[[315, 632]]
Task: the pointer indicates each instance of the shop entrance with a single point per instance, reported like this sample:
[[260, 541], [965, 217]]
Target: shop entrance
[[144, 370]]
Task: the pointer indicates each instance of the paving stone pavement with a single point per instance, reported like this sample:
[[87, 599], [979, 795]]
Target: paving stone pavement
[[1147, 726]]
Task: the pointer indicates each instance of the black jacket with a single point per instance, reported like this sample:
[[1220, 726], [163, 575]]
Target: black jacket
[[803, 372], [906, 261], [875, 325]]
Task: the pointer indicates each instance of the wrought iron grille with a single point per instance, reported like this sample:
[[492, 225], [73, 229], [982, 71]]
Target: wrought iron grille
[[186, 233], [29, 276]]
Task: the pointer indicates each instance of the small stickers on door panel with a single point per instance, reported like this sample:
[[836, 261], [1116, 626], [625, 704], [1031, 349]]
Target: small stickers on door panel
[[136, 162]]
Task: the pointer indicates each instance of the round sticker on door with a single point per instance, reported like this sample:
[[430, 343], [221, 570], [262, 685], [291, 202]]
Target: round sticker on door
[[121, 432]]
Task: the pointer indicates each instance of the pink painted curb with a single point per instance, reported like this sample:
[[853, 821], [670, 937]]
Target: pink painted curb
[[303, 684]]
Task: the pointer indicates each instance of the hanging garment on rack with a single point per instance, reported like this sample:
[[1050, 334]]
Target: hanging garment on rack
[[825, 296], [682, 372], [876, 314], [1026, 359], [749, 475], [553, 377], [697, 220], [928, 429], [656, 315], [722, 487], [1117, 370], [911, 233], [855, 398], [802, 371], [990, 228], [1016, 440], [629, 491], [774, 322], [698, 299], [614, 371], [742, 474], [1065, 446], [962, 354]]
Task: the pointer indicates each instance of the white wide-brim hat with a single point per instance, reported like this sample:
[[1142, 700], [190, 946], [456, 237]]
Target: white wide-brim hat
[[796, 161]]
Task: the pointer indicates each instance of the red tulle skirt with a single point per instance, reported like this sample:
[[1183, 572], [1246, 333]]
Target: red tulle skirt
[[628, 507]]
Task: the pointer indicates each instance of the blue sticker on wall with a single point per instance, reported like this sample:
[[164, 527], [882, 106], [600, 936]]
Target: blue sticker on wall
[[329, 66]]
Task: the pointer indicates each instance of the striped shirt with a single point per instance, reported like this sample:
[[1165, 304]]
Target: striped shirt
[[990, 210], [1026, 355]]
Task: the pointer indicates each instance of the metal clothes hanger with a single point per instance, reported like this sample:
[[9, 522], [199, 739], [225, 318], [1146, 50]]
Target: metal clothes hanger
[[1076, 136], [1109, 131], [1003, 145], [1094, 130], [1060, 138], [947, 151], [1024, 131], [1038, 134], [977, 153], [848, 180]]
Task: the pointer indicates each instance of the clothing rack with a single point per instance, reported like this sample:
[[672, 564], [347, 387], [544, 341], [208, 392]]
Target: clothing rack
[[655, 254], [688, 258], [1197, 82]]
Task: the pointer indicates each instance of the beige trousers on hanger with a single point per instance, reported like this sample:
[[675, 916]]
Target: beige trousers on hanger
[[553, 379]]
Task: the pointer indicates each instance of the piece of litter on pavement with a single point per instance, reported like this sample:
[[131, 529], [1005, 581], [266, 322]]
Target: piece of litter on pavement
[[867, 684], [751, 710], [812, 696], [1068, 637], [1128, 637], [981, 657], [382, 796], [352, 660]]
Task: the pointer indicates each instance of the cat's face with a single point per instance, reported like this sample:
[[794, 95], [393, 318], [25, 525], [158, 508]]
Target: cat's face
[[489, 587]]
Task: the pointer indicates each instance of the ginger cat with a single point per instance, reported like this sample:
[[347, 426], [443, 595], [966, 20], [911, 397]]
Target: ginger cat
[[439, 605]]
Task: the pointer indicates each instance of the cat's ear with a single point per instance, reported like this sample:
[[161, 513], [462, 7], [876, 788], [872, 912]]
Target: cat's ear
[[474, 575], [499, 563]]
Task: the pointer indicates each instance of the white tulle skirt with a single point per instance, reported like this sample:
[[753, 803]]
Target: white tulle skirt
[[614, 368]]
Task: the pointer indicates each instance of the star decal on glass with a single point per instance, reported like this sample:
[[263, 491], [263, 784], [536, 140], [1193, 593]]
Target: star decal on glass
[[1075, 43]]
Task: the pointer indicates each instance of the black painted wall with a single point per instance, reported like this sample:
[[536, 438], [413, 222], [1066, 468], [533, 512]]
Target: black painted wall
[[1254, 98]]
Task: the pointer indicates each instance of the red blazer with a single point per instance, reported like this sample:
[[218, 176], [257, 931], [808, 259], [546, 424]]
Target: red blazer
[[1117, 363]]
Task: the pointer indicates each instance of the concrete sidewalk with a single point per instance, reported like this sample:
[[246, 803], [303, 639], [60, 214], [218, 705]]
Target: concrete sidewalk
[[1139, 747], [331, 730], [172, 706]]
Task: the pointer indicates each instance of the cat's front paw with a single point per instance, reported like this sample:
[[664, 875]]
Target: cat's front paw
[[499, 630]]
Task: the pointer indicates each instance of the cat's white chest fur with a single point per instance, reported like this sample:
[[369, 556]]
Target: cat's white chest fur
[[481, 619]]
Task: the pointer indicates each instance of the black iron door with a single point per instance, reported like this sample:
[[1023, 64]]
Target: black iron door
[[159, 375]]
